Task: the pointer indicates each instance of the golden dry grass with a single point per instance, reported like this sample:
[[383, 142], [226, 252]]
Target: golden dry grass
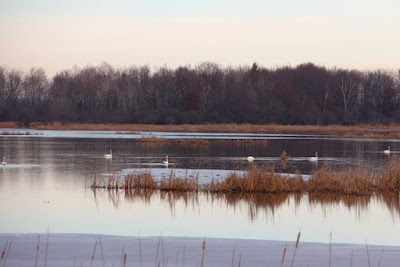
[[259, 180], [240, 141], [173, 183], [357, 182], [139, 181], [265, 180], [182, 141], [390, 179]]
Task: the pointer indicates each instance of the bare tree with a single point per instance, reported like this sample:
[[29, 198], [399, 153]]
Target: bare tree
[[3, 80], [377, 87], [347, 85], [35, 86], [13, 87]]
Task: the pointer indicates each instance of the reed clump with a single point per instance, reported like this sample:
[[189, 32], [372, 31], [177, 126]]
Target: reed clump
[[140, 181], [357, 182], [184, 141], [173, 183], [265, 180], [284, 156], [240, 141], [146, 181], [259, 180], [390, 180]]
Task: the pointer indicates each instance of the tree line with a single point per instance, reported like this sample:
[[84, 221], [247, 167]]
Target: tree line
[[206, 93]]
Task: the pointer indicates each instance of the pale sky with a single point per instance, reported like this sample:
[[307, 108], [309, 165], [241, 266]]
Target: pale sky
[[58, 34]]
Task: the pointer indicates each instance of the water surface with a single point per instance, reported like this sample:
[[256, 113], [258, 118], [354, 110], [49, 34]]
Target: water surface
[[45, 184]]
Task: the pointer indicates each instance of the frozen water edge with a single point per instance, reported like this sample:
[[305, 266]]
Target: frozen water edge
[[204, 176], [77, 250]]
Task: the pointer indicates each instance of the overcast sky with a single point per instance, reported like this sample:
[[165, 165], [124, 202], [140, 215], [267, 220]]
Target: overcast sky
[[58, 34]]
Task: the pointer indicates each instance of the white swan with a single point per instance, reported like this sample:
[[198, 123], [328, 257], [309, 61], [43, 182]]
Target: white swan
[[4, 161], [108, 156], [250, 158], [165, 162], [314, 158], [387, 151]]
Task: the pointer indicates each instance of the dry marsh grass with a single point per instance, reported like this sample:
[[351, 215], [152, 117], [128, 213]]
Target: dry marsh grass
[[284, 156], [240, 141], [265, 180], [357, 182], [173, 183], [259, 180], [352, 131], [390, 180], [181, 141]]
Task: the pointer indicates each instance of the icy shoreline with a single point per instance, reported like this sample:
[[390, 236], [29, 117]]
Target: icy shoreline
[[77, 250]]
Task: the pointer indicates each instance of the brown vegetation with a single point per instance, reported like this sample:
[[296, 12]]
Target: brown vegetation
[[263, 180], [284, 156], [185, 141], [240, 141], [259, 180], [357, 182]]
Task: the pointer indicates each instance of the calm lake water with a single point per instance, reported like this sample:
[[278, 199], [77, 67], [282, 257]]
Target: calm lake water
[[45, 185]]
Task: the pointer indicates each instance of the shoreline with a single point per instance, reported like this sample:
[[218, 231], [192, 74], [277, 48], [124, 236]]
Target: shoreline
[[111, 250], [352, 131]]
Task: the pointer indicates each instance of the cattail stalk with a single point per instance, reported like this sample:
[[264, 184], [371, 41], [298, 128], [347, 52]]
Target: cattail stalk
[[93, 253], [101, 252], [37, 251], [140, 253], [283, 255], [47, 248], [233, 257], [330, 248], [203, 248], [295, 249], [366, 247]]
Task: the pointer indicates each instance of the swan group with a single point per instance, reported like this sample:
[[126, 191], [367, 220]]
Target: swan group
[[108, 156], [314, 158], [4, 161], [387, 151]]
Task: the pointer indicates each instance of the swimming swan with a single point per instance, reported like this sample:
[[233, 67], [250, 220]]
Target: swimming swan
[[250, 158], [387, 151], [314, 158], [165, 162], [108, 156], [4, 161]]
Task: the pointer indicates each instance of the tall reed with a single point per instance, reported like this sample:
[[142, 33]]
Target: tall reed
[[295, 248], [358, 182], [257, 179], [390, 179]]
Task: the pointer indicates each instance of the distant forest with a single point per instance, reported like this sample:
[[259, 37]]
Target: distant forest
[[206, 93]]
